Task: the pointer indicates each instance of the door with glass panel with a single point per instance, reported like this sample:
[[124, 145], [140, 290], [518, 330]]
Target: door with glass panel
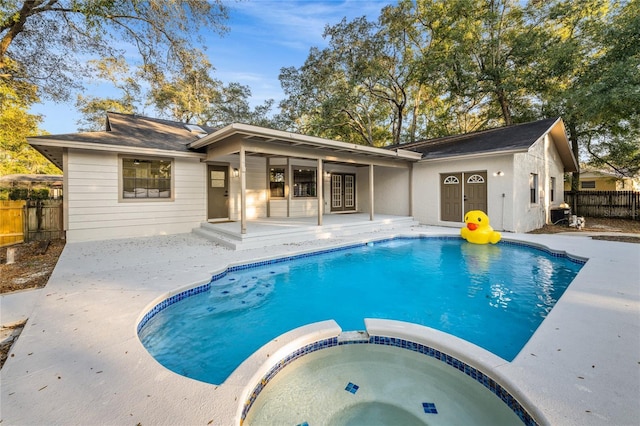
[[475, 191], [343, 192], [461, 193], [217, 192]]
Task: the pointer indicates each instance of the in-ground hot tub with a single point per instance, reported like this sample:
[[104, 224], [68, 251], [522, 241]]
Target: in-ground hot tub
[[370, 384], [393, 373]]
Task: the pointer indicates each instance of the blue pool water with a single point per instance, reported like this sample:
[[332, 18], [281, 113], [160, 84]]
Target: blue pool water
[[492, 295]]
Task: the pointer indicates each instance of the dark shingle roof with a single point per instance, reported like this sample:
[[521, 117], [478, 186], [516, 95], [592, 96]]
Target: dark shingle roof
[[136, 131], [510, 138]]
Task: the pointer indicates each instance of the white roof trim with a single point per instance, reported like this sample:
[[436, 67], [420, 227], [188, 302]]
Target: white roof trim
[[249, 130], [112, 148]]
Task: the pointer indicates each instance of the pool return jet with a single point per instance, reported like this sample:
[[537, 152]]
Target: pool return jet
[[478, 230]]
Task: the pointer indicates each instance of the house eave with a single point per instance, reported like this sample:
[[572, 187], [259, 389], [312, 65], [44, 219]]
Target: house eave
[[472, 155], [267, 136], [53, 149], [563, 146]]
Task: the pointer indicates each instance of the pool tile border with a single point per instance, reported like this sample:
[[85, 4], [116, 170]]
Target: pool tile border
[[205, 287], [451, 361], [472, 372]]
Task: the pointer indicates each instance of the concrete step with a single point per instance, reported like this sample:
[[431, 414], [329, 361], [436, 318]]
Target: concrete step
[[270, 235]]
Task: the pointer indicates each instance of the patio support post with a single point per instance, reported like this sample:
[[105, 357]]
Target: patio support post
[[371, 192], [243, 191], [288, 185], [411, 189], [320, 190]]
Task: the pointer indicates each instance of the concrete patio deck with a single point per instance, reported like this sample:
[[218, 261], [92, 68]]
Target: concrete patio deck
[[79, 360]]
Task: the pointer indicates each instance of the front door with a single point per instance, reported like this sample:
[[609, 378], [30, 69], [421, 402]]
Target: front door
[[343, 192], [218, 192], [461, 193]]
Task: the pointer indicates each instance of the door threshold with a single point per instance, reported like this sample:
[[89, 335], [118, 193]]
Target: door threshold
[[221, 220]]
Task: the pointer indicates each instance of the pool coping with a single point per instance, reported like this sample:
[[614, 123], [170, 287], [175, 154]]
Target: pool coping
[[79, 360], [257, 370], [465, 357]]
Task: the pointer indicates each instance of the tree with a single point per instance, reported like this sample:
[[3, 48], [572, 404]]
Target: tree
[[186, 94], [588, 50], [425, 69], [16, 156], [328, 96], [44, 46], [94, 109], [42, 41], [358, 89], [609, 91], [231, 105], [192, 95]]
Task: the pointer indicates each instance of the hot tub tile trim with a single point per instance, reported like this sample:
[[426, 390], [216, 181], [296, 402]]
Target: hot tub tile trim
[[474, 373]]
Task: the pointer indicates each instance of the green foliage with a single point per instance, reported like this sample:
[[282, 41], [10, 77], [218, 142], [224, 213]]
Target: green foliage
[[18, 194], [94, 109], [425, 69], [430, 68], [28, 194], [192, 95], [39, 194], [16, 124], [45, 43]]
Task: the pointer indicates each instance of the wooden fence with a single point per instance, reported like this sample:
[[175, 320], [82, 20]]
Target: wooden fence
[[619, 204], [11, 222], [30, 221]]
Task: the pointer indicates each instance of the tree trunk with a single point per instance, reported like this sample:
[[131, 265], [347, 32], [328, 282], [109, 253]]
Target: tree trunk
[[575, 177], [15, 29], [504, 105]]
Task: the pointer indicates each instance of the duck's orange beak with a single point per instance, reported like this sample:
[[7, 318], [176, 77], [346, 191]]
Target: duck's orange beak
[[472, 226]]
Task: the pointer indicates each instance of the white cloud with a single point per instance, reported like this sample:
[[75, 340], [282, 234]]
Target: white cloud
[[300, 24]]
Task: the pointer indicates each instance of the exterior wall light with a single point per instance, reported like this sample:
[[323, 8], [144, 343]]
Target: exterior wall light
[[499, 173], [236, 172]]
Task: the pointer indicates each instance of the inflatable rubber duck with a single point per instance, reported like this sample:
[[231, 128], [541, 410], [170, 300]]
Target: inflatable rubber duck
[[477, 230]]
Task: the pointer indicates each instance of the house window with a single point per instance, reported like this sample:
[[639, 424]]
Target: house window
[[304, 182], [276, 182], [533, 188], [146, 178], [588, 184], [552, 189]]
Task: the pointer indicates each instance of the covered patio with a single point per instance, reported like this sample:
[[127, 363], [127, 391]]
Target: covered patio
[[251, 153]]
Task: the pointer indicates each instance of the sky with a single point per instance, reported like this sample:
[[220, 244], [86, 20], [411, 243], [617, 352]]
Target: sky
[[263, 37]]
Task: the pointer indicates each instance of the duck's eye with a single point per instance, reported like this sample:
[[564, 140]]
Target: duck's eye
[[479, 219]]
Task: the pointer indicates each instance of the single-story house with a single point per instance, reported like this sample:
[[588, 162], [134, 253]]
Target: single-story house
[[144, 176], [602, 180], [33, 181]]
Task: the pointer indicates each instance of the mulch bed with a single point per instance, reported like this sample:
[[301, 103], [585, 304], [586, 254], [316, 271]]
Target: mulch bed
[[33, 264], [611, 226]]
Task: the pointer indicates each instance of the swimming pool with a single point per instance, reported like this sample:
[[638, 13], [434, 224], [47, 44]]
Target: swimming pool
[[493, 296]]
